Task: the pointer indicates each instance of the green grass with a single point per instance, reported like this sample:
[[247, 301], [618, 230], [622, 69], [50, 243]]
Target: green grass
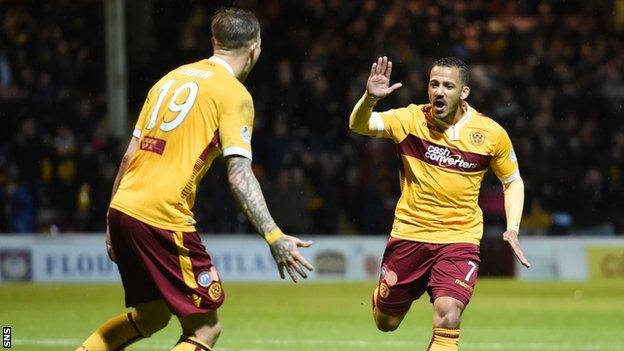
[[503, 315]]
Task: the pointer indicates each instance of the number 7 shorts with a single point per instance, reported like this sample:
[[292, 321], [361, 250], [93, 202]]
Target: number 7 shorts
[[410, 268], [160, 264]]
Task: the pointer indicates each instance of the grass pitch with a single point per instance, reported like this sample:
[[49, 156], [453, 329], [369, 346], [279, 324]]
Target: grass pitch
[[503, 315]]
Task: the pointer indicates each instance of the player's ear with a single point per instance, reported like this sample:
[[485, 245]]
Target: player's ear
[[465, 92], [253, 47], [214, 42]]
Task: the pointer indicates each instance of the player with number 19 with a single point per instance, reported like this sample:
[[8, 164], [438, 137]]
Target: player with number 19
[[191, 116]]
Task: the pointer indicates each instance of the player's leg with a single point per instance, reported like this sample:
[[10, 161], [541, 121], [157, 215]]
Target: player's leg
[[446, 321], [447, 312], [183, 273], [150, 313], [116, 333], [199, 332], [128, 328], [452, 281], [403, 279], [386, 322], [151, 317]]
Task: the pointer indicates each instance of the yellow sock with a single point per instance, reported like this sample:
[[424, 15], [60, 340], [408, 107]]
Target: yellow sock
[[444, 340], [189, 343], [115, 334]]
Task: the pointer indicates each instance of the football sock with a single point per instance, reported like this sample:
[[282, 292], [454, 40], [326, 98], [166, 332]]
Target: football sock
[[115, 334], [189, 343], [444, 340]]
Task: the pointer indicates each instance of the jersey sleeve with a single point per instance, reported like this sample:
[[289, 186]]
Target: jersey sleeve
[[393, 124], [504, 161], [236, 126]]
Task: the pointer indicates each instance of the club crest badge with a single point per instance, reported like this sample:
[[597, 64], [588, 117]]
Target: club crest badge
[[384, 290], [215, 291], [477, 138]]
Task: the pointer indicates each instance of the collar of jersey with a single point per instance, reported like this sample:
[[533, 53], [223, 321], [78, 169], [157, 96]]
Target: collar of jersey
[[223, 63], [453, 129], [465, 117]]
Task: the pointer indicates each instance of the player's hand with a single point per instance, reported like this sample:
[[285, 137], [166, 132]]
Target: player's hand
[[109, 246], [285, 251], [511, 237], [379, 79]]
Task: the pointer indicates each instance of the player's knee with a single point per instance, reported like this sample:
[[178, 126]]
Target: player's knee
[[156, 323], [208, 334], [447, 312], [204, 326], [151, 318], [447, 318], [214, 331], [386, 323]]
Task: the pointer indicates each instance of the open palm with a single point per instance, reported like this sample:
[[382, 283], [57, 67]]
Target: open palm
[[511, 237], [379, 79]]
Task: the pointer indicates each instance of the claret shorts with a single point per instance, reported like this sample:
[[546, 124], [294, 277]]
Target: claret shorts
[[410, 268], [161, 264]]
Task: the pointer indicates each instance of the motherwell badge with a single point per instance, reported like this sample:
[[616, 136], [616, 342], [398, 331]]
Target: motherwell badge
[[215, 291], [477, 138], [384, 290]]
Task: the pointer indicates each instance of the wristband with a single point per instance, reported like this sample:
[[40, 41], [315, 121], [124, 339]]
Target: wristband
[[273, 236]]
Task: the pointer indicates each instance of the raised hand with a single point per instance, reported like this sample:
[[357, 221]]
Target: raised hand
[[286, 254], [511, 237], [379, 79]]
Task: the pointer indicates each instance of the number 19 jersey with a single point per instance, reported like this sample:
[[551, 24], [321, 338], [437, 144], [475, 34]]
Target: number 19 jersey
[[190, 116]]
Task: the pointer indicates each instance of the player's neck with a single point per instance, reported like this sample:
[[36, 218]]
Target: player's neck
[[237, 62], [457, 116]]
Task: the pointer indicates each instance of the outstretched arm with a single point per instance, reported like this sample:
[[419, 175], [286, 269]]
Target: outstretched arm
[[514, 201], [377, 87], [248, 194]]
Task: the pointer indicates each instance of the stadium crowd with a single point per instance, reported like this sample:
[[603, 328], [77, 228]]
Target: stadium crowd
[[550, 72]]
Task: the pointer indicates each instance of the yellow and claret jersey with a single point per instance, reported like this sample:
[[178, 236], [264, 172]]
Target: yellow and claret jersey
[[441, 172], [190, 116]]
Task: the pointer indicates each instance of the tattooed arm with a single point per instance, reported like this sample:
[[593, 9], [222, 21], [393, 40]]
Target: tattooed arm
[[247, 192]]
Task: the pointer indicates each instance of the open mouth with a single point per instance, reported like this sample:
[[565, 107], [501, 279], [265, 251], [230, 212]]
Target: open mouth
[[439, 106]]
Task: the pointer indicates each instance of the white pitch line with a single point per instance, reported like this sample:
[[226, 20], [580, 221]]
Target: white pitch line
[[542, 346], [146, 345], [76, 343], [46, 342], [291, 345], [411, 345]]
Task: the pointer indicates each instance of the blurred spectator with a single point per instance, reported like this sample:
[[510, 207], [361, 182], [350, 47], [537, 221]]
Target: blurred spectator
[[288, 199], [21, 207]]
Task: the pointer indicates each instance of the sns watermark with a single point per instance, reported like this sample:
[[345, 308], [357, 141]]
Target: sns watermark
[[6, 337]]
